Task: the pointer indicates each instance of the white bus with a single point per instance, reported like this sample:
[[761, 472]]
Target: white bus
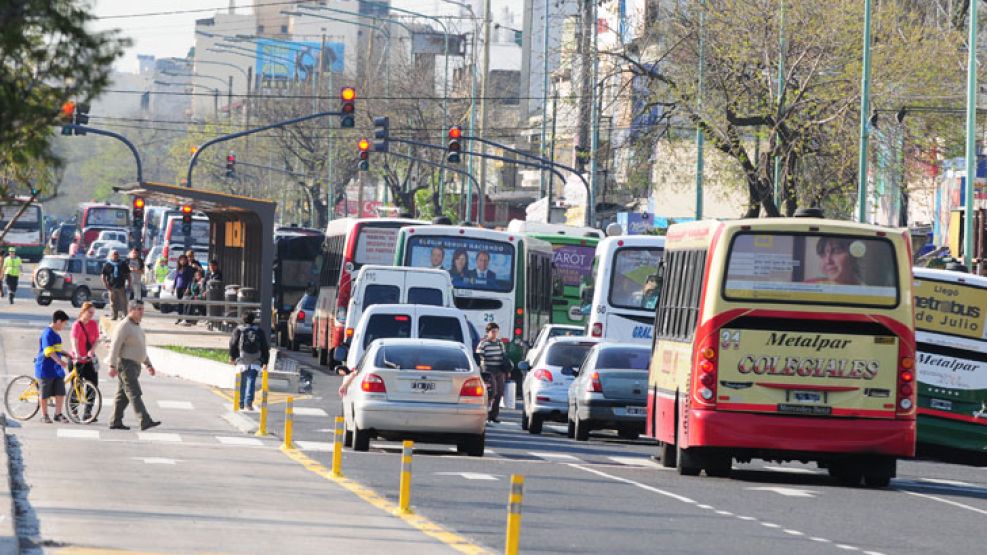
[[27, 233], [497, 277], [622, 299]]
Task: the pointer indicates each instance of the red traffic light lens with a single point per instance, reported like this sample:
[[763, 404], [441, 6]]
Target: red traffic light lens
[[138, 202], [455, 132], [186, 209], [348, 108], [347, 94], [68, 108], [363, 145]]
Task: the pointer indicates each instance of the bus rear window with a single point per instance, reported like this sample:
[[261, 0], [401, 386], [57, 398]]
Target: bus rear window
[[812, 268], [375, 245]]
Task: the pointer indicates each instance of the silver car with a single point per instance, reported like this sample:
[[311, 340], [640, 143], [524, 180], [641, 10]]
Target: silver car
[[610, 391], [422, 389], [545, 388], [300, 322]]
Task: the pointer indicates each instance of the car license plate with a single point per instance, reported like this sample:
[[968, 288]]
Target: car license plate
[[940, 404], [46, 294], [807, 396], [423, 387], [635, 411]]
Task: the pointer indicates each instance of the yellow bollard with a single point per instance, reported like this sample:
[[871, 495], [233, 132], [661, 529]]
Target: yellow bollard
[[262, 426], [289, 417], [514, 514], [236, 393], [337, 447], [404, 497]]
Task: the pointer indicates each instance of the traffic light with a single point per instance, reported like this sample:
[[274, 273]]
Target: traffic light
[[138, 213], [364, 146], [231, 164], [582, 158], [81, 117], [186, 220], [67, 116], [455, 133], [382, 131], [347, 95]]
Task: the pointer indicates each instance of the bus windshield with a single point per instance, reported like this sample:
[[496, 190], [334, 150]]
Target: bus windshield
[[472, 263], [29, 220], [812, 268], [375, 245], [634, 281], [107, 216]]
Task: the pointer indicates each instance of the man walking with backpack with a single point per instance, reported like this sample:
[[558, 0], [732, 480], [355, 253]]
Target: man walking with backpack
[[249, 351]]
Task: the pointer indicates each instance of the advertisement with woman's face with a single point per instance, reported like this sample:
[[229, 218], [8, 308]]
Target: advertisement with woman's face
[[828, 269], [472, 263]]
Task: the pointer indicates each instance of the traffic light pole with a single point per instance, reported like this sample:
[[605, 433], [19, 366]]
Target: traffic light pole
[[237, 135], [117, 136]]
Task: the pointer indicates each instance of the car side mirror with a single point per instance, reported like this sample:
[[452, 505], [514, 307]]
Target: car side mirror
[[523, 366], [340, 353], [575, 372]]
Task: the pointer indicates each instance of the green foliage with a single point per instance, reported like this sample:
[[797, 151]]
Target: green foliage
[[46, 58], [218, 355]]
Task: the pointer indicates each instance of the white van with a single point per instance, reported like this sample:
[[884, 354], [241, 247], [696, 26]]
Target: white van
[[412, 321], [396, 285]]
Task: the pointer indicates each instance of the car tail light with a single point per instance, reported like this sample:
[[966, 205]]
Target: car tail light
[[906, 387], [472, 387], [544, 375], [373, 383], [301, 315], [597, 329], [68, 278], [706, 369], [594, 385]]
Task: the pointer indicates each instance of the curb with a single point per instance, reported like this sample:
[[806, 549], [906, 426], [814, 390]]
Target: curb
[[9, 542], [238, 421]]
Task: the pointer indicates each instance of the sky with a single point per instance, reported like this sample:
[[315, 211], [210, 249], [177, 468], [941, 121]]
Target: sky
[[172, 35]]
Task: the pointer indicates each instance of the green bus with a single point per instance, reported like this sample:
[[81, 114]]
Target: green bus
[[951, 361], [572, 265]]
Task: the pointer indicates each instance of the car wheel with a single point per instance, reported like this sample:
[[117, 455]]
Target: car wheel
[[80, 296], [472, 446], [45, 278], [571, 430], [581, 432], [535, 423], [361, 439], [627, 434], [44, 301], [348, 438], [877, 479], [524, 419]]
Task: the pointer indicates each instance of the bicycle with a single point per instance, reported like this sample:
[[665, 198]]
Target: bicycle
[[23, 396]]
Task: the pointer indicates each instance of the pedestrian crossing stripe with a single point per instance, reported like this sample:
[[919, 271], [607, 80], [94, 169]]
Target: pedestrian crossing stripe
[[180, 405], [228, 440], [309, 411], [313, 445], [162, 437], [78, 434]]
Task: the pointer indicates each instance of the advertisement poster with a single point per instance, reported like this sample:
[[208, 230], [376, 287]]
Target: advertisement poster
[[375, 245], [806, 268], [572, 262], [296, 61], [472, 263], [951, 308]]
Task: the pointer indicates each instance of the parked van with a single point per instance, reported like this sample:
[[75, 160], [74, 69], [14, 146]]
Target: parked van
[[377, 284], [408, 321]]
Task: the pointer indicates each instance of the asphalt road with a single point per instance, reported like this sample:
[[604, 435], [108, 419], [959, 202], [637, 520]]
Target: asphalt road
[[608, 496]]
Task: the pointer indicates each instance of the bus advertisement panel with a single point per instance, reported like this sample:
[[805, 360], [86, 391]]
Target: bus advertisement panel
[[27, 233], [951, 359], [477, 264]]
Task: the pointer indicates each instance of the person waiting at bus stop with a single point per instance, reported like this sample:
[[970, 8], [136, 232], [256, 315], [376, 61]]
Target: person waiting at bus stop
[[183, 280], [12, 272]]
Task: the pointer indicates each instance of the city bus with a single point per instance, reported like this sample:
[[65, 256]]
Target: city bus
[[349, 244], [574, 249], [27, 233], [97, 216], [297, 263], [621, 299], [785, 339], [497, 276], [951, 366]]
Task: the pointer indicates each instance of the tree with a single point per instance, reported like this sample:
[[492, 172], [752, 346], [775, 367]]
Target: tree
[[46, 57]]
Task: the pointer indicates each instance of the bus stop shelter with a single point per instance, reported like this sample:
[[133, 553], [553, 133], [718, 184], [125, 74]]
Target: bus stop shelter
[[240, 234]]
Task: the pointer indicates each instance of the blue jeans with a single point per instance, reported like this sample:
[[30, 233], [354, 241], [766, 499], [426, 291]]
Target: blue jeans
[[248, 379]]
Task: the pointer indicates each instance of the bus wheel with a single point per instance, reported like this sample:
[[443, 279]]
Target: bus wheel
[[687, 462], [323, 357], [848, 474], [718, 466], [666, 452]]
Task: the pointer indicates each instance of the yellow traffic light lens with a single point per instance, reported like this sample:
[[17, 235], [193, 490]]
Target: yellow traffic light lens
[[138, 203], [186, 209], [347, 93], [363, 144]]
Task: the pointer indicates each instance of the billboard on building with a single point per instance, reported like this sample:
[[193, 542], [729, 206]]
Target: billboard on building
[[296, 61]]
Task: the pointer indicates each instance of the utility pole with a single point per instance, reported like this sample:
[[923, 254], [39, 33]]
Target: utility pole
[[483, 106], [865, 113], [544, 111], [971, 144], [596, 108], [700, 138], [781, 94]]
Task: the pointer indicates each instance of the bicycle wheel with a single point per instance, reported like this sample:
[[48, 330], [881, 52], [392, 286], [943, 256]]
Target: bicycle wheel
[[83, 402], [21, 398]]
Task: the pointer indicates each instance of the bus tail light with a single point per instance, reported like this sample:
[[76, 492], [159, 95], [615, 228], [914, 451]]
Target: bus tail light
[[543, 375], [594, 385], [472, 387], [597, 330], [373, 384], [706, 368], [906, 386]]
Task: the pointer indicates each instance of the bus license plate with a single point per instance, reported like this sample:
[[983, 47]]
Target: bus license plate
[[423, 387], [807, 396], [939, 404]]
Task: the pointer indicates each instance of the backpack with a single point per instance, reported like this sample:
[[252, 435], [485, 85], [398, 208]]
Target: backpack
[[249, 340]]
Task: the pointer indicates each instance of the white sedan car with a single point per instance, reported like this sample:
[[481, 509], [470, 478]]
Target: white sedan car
[[422, 389]]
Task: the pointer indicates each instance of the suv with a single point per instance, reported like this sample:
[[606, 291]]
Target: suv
[[73, 278]]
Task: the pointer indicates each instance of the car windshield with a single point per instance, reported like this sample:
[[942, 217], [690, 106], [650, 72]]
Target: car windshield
[[624, 358], [564, 332], [567, 354], [422, 357]]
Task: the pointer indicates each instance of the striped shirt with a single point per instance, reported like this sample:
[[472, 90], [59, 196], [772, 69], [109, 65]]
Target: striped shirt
[[491, 355]]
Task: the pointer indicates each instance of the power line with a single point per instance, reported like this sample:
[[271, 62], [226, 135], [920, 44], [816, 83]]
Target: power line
[[180, 12]]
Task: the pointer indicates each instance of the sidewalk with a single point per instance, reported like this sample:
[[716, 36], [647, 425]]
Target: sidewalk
[[194, 485]]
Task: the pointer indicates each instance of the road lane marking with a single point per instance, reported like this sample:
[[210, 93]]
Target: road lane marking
[[232, 440], [78, 434], [791, 470], [946, 501], [469, 475], [179, 405], [636, 461], [156, 460], [559, 456], [423, 524], [793, 532], [787, 492], [314, 445], [847, 547], [645, 487], [309, 411], [770, 525], [949, 482], [162, 437]]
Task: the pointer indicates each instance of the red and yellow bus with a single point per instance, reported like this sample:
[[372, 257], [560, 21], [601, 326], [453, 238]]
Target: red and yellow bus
[[350, 244], [785, 339]]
